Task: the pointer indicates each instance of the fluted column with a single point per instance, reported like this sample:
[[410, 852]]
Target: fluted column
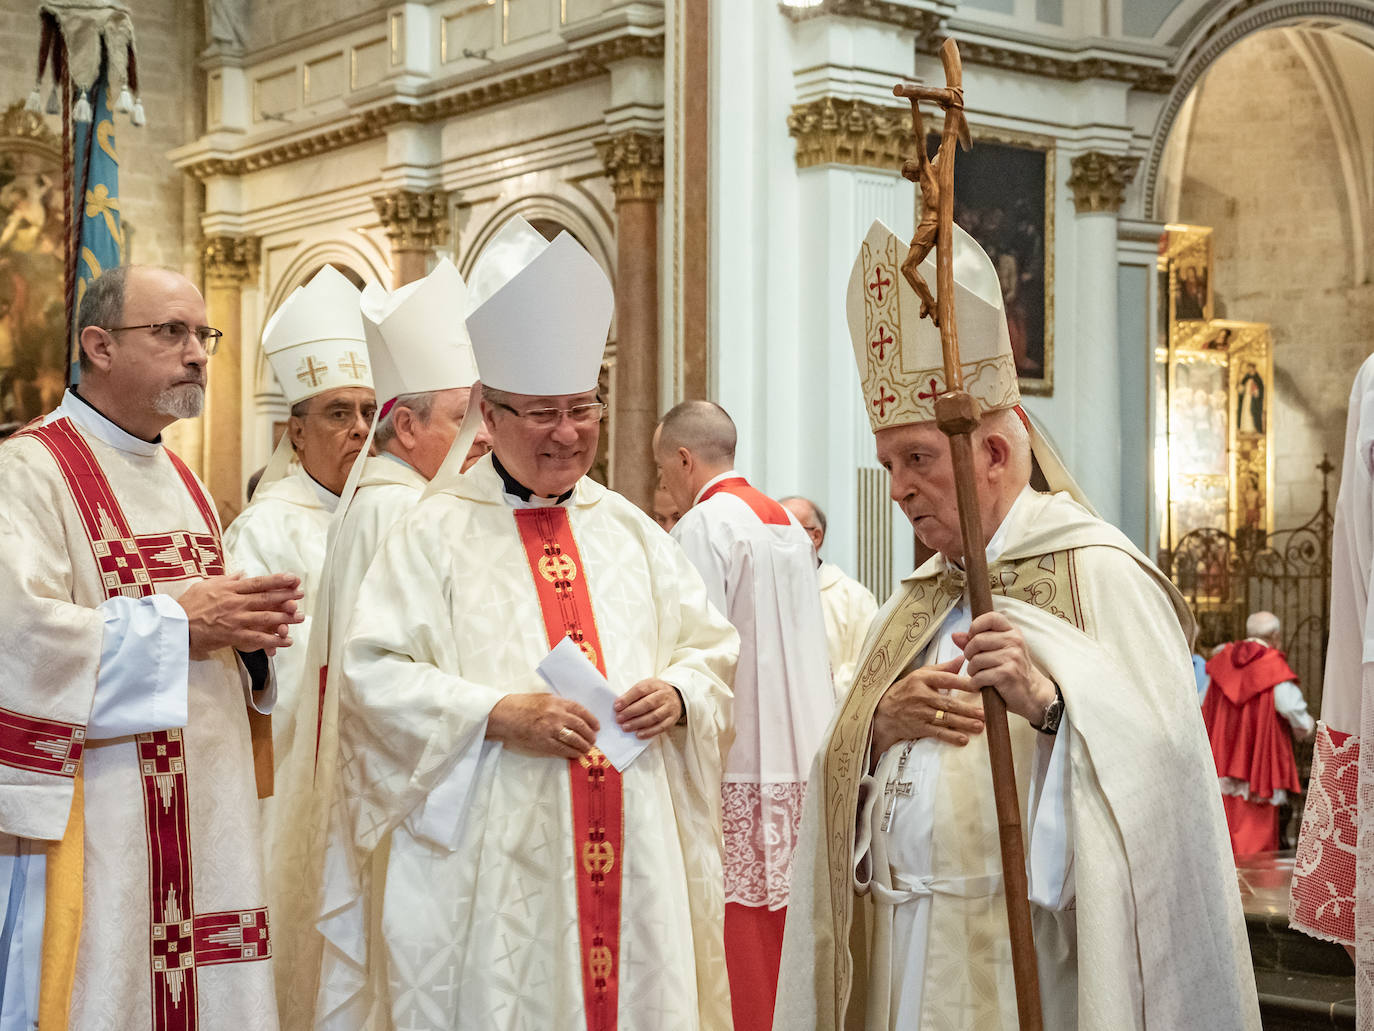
[[416, 221], [229, 262], [1099, 182], [634, 164]]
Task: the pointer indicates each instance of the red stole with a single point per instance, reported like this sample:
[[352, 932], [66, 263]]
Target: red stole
[[598, 805], [768, 510], [1250, 740], [180, 939]]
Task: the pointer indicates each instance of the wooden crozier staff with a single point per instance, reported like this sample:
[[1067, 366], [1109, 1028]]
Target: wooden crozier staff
[[956, 413]]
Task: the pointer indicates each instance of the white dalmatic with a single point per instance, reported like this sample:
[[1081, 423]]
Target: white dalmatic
[[478, 925], [849, 609]]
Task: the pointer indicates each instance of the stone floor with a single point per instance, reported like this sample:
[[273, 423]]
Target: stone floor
[[1303, 983]]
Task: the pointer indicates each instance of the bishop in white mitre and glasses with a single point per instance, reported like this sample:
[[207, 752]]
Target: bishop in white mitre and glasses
[[534, 711], [130, 870]]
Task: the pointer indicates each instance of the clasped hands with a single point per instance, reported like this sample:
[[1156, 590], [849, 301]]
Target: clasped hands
[[914, 707], [547, 724], [246, 613]]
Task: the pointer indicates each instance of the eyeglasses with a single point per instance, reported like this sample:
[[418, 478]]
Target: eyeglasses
[[175, 334], [547, 418], [342, 417]]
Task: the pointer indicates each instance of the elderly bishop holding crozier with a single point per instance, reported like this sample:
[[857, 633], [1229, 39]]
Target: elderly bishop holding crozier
[[898, 917]]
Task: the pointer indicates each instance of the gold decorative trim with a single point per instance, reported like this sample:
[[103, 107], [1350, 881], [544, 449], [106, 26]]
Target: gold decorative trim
[[832, 131], [24, 130], [1099, 181], [230, 260], [634, 164], [414, 219], [1142, 77], [588, 63]]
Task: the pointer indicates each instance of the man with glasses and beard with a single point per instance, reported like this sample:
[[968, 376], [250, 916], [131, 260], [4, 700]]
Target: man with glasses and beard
[[529, 881], [129, 861]]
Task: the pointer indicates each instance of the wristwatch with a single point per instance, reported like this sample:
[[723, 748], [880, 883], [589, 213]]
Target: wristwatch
[[1054, 714]]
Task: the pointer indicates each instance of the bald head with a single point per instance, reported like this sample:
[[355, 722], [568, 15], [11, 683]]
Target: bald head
[[703, 428], [694, 443]]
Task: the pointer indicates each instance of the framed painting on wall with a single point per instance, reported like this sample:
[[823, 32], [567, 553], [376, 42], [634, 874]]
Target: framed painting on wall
[[1004, 199]]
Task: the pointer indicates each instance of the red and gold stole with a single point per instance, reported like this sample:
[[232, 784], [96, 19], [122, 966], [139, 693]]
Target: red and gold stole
[[180, 939], [598, 806], [768, 510]]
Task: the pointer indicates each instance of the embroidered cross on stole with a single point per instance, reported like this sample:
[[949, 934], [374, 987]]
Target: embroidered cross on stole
[[180, 939], [598, 805], [1047, 581]]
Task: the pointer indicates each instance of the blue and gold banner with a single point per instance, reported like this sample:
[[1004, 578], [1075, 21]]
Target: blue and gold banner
[[100, 241]]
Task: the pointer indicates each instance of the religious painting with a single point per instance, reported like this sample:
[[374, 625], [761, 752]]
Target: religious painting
[[1004, 199], [33, 335], [1187, 251], [1252, 369]]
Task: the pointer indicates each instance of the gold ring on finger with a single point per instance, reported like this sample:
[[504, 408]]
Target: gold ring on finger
[[564, 734], [939, 714]]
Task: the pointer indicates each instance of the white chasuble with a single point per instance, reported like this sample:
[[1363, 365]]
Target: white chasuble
[[849, 609], [306, 783], [479, 921], [760, 570], [173, 924], [1151, 933]]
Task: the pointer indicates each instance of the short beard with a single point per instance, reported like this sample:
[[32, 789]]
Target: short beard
[[183, 401]]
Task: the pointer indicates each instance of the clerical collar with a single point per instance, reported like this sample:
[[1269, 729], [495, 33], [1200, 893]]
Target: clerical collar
[[329, 501], [91, 418], [519, 491]]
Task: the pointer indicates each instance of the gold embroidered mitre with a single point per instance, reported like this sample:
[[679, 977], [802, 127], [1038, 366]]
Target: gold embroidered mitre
[[901, 365]]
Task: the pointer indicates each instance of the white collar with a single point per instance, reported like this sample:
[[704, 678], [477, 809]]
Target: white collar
[[398, 459], [94, 422], [329, 501], [711, 483], [997, 543]]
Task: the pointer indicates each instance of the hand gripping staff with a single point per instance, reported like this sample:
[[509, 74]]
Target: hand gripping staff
[[956, 413]]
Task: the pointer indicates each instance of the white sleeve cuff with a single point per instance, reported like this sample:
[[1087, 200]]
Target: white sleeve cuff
[[1050, 862], [144, 666]]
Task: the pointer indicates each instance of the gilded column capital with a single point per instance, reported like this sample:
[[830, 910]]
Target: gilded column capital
[[833, 131], [414, 219], [634, 163], [230, 260], [1099, 180]]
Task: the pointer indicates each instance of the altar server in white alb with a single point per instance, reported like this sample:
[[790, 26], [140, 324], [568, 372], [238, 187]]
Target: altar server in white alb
[[1333, 890], [898, 918], [760, 570], [315, 345], [530, 883], [130, 864], [424, 374], [848, 605]]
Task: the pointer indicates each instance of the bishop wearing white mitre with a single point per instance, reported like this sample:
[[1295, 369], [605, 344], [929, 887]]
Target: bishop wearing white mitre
[[315, 345], [424, 373], [1134, 902], [530, 882], [130, 868]]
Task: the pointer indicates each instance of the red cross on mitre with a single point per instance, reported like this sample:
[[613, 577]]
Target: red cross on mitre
[[934, 391], [310, 371], [351, 365], [885, 340], [882, 401], [879, 283]]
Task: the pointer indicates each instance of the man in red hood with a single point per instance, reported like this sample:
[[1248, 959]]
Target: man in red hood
[[1252, 692]]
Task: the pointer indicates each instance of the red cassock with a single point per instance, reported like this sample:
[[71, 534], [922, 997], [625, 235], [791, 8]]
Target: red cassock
[[1251, 742]]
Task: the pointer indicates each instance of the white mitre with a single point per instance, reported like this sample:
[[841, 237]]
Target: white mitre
[[901, 364], [315, 340], [542, 312], [416, 336]]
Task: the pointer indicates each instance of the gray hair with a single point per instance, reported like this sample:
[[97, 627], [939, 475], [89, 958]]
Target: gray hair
[[102, 305], [702, 427], [421, 406], [1262, 624], [816, 512], [1006, 422]]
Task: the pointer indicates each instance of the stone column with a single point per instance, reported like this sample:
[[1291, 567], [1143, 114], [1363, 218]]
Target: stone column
[[1099, 182], [229, 262], [416, 221], [634, 164]]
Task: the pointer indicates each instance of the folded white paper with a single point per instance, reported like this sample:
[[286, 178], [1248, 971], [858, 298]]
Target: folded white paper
[[571, 675]]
